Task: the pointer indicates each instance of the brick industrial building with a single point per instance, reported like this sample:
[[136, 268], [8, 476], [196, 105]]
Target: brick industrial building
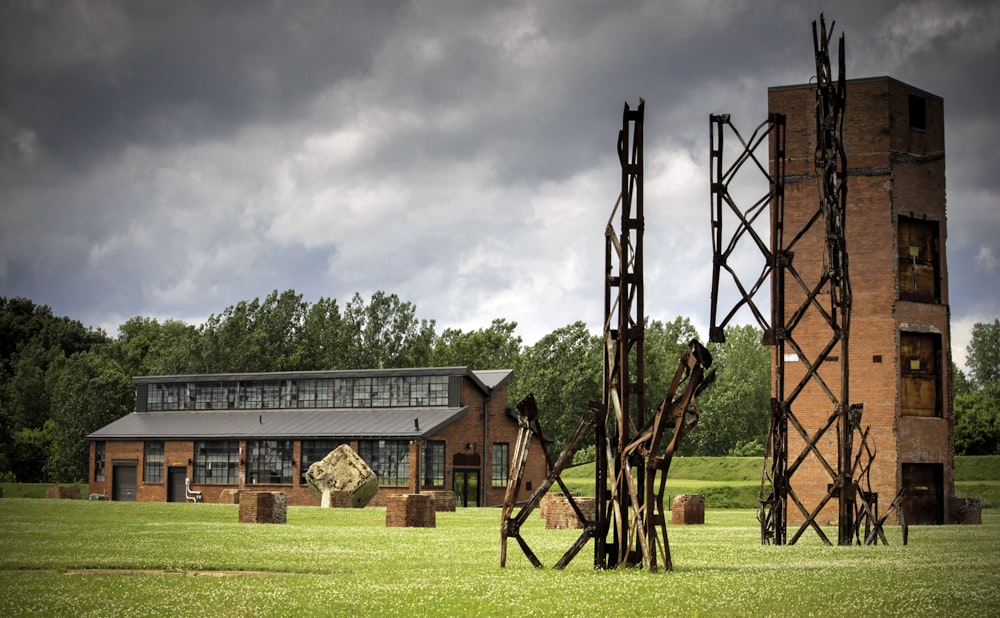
[[899, 331], [261, 431]]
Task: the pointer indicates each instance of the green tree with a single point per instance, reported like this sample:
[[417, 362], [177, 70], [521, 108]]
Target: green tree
[[735, 411], [495, 347], [983, 355], [322, 339], [666, 343], [23, 322], [87, 391], [385, 333], [976, 401], [253, 335], [960, 384], [145, 346], [30, 452], [563, 370], [977, 424]]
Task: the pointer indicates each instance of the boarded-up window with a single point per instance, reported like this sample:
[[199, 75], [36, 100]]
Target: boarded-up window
[[919, 263], [920, 374], [924, 484]]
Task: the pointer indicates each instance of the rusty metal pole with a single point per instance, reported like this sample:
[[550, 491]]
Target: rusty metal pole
[[831, 164]]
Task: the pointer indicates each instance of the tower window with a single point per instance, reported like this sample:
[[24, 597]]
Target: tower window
[[918, 112], [920, 366], [919, 260]]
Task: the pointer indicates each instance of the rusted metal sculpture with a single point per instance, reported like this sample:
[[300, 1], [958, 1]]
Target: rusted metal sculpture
[[633, 454], [784, 330]]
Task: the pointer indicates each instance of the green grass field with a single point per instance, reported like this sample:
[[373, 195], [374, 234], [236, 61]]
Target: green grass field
[[82, 558]]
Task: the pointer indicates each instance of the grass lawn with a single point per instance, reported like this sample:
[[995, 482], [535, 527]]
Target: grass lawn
[[82, 558]]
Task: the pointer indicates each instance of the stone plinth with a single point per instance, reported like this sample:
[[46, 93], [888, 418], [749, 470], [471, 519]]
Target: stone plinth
[[263, 507], [966, 511], [559, 515], [688, 509], [410, 511], [63, 492], [444, 501]]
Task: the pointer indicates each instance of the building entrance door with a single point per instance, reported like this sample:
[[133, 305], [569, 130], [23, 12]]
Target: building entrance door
[[123, 483], [175, 483], [924, 484], [465, 484]]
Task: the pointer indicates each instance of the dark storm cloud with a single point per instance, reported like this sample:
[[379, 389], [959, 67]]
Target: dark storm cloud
[[172, 158], [87, 78]]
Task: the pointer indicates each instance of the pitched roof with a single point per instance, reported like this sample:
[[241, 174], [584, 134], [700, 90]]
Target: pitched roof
[[356, 423], [492, 378]]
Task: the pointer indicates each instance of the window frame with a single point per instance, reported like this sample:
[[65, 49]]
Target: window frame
[[269, 462], [432, 463], [224, 453], [100, 457], [152, 461], [500, 473], [389, 459]]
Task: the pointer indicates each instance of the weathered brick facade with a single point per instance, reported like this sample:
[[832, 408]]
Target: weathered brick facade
[[895, 235], [468, 445]]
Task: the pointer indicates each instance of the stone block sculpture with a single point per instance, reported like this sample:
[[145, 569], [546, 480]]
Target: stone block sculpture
[[342, 479]]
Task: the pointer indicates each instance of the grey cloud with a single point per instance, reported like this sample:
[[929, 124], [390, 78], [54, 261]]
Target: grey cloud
[[170, 159]]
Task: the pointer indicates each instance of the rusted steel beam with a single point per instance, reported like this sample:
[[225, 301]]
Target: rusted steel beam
[[512, 517]]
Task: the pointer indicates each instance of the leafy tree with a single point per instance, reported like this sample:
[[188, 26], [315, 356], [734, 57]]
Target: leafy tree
[[87, 391], [977, 424], [23, 322], [30, 452], [495, 347], [666, 343], [253, 335], [146, 347], [385, 333], [983, 355], [960, 384], [322, 339], [976, 403], [563, 370], [735, 411], [31, 339]]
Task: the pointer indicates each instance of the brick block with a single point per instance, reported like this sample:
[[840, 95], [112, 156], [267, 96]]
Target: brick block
[[559, 515], [410, 511], [263, 507], [688, 509], [63, 492]]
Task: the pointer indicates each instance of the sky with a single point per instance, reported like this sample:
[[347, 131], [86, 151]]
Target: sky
[[170, 159]]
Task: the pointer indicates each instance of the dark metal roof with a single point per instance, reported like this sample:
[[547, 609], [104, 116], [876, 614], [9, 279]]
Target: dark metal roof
[[348, 423]]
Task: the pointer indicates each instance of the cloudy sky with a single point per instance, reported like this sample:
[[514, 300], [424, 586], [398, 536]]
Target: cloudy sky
[[169, 159]]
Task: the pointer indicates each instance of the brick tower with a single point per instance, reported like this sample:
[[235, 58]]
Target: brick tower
[[899, 329]]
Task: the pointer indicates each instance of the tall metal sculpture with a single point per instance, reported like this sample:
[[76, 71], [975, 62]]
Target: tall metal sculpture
[[795, 296], [633, 454]]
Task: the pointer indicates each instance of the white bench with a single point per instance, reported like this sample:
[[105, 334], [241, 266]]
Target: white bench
[[192, 496]]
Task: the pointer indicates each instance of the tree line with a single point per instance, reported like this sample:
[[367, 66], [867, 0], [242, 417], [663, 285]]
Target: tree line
[[60, 380]]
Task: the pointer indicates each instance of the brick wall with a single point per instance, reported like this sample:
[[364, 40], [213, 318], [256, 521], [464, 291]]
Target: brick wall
[[410, 511], [263, 507], [893, 171], [467, 430]]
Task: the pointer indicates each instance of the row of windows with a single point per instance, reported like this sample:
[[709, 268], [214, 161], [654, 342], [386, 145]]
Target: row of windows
[[270, 461], [378, 392]]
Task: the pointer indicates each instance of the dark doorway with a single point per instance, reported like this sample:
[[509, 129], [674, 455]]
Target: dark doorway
[[465, 483], [924, 484], [124, 483], [175, 484]]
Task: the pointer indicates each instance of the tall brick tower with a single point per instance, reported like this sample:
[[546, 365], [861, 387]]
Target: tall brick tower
[[899, 330]]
